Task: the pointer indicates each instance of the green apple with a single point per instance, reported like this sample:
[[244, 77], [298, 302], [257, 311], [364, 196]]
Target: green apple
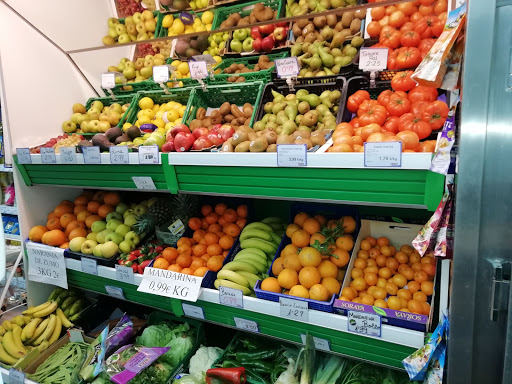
[[146, 71], [123, 39], [75, 244], [239, 34], [98, 226], [123, 229], [126, 246], [132, 237], [97, 251], [68, 126], [109, 249], [103, 126], [113, 224], [130, 220], [115, 237], [120, 29], [121, 208], [112, 32], [138, 141], [127, 212], [236, 46], [91, 236], [100, 237], [97, 105], [88, 247], [129, 73], [247, 44], [114, 216], [82, 118], [112, 22], [140, 209]]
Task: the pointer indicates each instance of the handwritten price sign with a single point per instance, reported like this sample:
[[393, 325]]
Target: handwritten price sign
[[23, 155], [118, 155], [68, 155], [293, 309], [288, 67], [48, 156], [364, 323], [246, 325], [373, 59], [47, 265], [231, 297], [198, 69], [108, 80]]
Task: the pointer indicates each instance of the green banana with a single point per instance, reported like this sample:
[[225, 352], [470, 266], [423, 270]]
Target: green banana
[[256, 251], [230, 284], [66, 311], [76, 307], [275, 226], [265, 246], [55, 293], [270, 220], [233, 276], [258, 225], [63, 296], [75, 317], [240, 266], [255, 233], [68, 302], [261, 266], [275, 239], [251, 277]]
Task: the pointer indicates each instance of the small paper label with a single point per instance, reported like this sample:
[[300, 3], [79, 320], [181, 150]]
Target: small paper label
[[246, 325], [208, 58], [75, 336], [198, 69], [89, 266], [177, 227], [170, 284], [293, 309], [231, 297], [287, 67], [161, 74], [24, 156], [364, 323], [119, 155], [148, 154], [320, 344], [144, 182], [373, 59], [383, 154], [108, 80], [16, 377], [292, 155], [192, 311], [68, 155], [91, 155], [47, 265], [124, 274], [115, 292], [48, 156]]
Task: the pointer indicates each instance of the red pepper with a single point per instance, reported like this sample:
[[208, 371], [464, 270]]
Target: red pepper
[[135, 267], [226, 376]]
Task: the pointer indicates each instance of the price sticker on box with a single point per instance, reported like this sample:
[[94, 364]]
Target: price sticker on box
[[119, 155], [68, 155], [91, 155], [287, 67], [320, 344], [144, 182], [160, 73], [373, 59], [108, 80], [148, 154], [294, 309], [364, 323], [48, 156], [124, 274], [23, 155], [177, 228], [115, 292], [89, 266], [383, 154], [170, 284], [193, 311], [246, 325], [46, 265], [16, 377], [231, 297], [292, 155], [198, 69]]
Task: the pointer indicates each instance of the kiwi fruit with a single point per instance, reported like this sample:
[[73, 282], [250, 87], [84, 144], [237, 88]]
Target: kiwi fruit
[[228, 145], [243, 146], [272, 148], [271, 137], [239, 137], [284, 139], [304, 141], [252, 136], [259, 144]]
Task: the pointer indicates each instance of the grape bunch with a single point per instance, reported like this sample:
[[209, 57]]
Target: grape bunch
[[64, 140], [127, 8]]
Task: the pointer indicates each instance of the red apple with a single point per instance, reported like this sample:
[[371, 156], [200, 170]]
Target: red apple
[[256, 44], [280, 33], [267, 29], [255, 33], [168, 147], [214, 138], [225, 132], [179, 128], [183, 141], [202, 131], [268, 43], [215, 128], [202, 143], [282, 24]]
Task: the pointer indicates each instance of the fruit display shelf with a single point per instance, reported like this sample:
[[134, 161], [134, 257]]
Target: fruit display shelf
[[394, 344]]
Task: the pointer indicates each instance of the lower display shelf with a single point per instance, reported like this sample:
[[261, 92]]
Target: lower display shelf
[[390, 349]]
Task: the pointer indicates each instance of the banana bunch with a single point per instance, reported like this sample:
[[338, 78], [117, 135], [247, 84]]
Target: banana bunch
[[259, 242], [69, 301]]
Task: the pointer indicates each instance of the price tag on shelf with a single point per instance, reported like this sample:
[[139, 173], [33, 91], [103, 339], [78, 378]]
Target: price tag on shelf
[[148, 154], [193, 311], [91, 155], [170, 284], [246, 325], [383, 154], [68, 155], [108, 80], [287, 67], [89, 266], [320, 344], [177, 227], [144, 182], [75, 336], [198, 69], [48, 156], [23, 155], [115, 292], [119, 155], [160, 73], [124, 274], [294, 309], [231, 297], [47, 265], [292, 155], [373, 59], [207, 58], [16, 377], [364, 323]]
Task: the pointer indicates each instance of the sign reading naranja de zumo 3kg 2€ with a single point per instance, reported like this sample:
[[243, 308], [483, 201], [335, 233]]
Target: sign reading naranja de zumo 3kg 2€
[[170, 284]]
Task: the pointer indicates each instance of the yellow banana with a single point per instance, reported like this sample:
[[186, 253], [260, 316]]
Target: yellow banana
[[65, 322], [5, 357], [48, 331], [46, 311], [16, 335], [2, 330], [18, 320], [43, 346], [10, 346], [28, 331], [56, 332], [39, 330], [32, 310], [7, 325], [27, 319]]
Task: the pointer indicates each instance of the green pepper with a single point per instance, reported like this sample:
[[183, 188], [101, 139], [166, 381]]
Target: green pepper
[[254, 376], [267, 354], [230, 364], [258, 364]]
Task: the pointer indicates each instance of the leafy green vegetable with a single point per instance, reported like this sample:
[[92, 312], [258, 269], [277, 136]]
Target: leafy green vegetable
[[329, 369]]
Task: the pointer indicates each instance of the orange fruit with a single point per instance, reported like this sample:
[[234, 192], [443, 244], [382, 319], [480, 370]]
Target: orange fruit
[[382, 241], [52, 215], [300, 238], [206, 210], [394, 303], [309, 276], [380, 303], [419, 276], [215, 228], [232, 230], [289, 249], [392, 263], [184, 260], [199, 250], [310, 257], [226, 242], [425, 308], [104, 210], [379, 293], [345, 242], [349, 293], [66, 218], [340, 257], [271, 284], [187, 271], [170, 254], [184, 241], [332, 285], [55, 237], [348, 223], [311, 225], [300, 218], [299, 291], [413, 286], [367, 299], [290, 229], [400, 280], [205, 224], [220, 208], [198, 235], [429, 269], [91, 220], [427, 287], [241, 211], [212, 218], [65, 245], [83, 215], [81, 200], [77, 232], [79, 208], [356, 272], [359, 284], [415, 306], [362, 254], [194, 223], [99, 196], [184, 250], [54, 223], [36, 233], [213, 249], [419, 296], [404, 294], [44, 238], [198, 262], [215, 263], [161, 263], [385, 272], [407, 249], [112, 198], [201, 271], [62, 209], [319, 292], [288, 278], [365, 244], [278, 266], [230, 215], [241, 223], [321, 219], [211, 238], [360, 263], [292, 261], [316, 237], [93, 206], [391, 288], [328, 269], [401, 257], [371, 278]]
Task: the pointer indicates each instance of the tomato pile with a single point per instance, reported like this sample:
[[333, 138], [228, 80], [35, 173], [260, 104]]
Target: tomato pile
[[408, 30]]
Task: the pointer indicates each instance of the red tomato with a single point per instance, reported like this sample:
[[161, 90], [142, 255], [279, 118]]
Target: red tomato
[[424, 26], [418, 107], [390, 38], [384, 96], [410, 39], [425, 46], [435, 114], [438, 27], [384, 21], [396, 19], [422, 93], [402, 81], [416, 16], [427, 146], [370, 111], [391, 124], [390, 9], [378, 13], [398, 105], [407, 8], [426, 10], [408, 26], [374, 28], [408, 122], [392, 64], [410, 140], [408, 57], [426, 2], [355, 122], [440, 6], [356, 99], [369, 129]]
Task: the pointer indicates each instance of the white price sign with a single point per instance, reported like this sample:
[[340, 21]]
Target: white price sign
[[198, 69], [231, 297], [89, 266], [193, 311], [292, 155], [46, 265], [148, 154], [170, 284], [320, 344], [48, 156], [144, 182], [119, 155], [383, 154], [124, 274], [16, 377], [108, 80], [75, 336], [23, 155], [293, 309], [68, 155], [115, 292], [160, 73], [373, 59], [91, 155], [177, 227], [364, 323], [287, 67], [246, 325], [208, 58]]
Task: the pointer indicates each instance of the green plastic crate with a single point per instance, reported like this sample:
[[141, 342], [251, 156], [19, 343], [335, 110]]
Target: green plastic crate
[[223, 13], [216, 95], [250, 61], [187, 82], [146, 85], [165, 8], [162, 32]]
